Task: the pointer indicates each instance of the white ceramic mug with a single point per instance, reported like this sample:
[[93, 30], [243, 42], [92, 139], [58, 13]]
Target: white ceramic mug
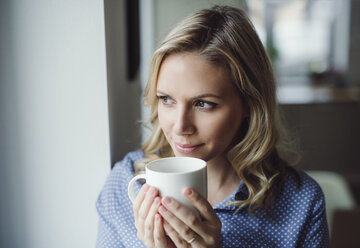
[[171, 175]]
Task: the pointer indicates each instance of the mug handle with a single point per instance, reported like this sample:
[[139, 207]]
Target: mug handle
[[131, 192]]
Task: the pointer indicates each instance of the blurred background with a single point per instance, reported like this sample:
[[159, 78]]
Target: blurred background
[[72, 77]]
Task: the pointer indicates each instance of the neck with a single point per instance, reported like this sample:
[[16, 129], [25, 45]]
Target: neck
[[222, 179]]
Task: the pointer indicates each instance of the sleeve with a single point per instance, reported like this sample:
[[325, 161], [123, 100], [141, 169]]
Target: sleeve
[[108, 204], [316, 232], [107, 236]]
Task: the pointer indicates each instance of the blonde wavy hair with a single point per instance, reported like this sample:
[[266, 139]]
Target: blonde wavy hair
[[225, 36]]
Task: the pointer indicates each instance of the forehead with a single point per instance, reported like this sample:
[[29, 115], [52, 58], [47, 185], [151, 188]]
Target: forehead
[[192, 73]]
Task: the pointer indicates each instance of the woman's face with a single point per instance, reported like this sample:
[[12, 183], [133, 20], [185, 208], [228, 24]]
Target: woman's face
[[199, 109]]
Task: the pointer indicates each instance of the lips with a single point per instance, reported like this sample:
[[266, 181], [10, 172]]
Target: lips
[[187, 148]]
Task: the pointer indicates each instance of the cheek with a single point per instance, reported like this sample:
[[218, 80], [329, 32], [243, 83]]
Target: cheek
[[225, 129], [164, 120]]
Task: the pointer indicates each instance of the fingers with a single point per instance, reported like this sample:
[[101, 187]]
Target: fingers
[[200, 203], [186, 225], [174, 236], [140, 197], [159, 233], [179, 222], [146, 204], [145, 207], [149, 222], [138, 200], [179, 218]]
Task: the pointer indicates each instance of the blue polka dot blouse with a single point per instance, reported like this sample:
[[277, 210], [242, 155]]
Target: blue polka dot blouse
[[298, 216]]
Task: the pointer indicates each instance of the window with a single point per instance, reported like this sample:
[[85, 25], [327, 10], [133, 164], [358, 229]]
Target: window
[[302, 37]]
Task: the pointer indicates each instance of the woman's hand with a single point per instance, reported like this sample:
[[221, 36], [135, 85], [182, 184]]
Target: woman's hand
[[185, 228], [148, 222]]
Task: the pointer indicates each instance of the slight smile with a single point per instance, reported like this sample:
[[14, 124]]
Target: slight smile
[[187, 148]]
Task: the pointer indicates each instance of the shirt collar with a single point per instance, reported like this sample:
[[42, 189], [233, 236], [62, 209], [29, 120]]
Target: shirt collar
[[241, 193]]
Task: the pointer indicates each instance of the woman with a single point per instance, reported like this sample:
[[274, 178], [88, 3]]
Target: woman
[[212, 94]]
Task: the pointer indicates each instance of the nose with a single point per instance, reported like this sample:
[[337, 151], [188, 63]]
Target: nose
[[184, 122]]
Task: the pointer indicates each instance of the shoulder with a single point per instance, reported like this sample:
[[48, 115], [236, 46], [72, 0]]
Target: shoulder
[[123, 170], [127, 163], [130, 158], [302, 183], [300, 200], [125, 167], [120, 175], [302, 191], [305, 205], [116, 219]]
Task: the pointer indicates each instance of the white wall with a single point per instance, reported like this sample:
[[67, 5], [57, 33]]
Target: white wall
[[54, 122]]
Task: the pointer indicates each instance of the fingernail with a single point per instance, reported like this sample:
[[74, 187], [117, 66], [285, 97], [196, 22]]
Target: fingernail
[[157, 217], [167, 200], [152, 190], [162, 209], [146, 187], [188, 192], [157, 200]]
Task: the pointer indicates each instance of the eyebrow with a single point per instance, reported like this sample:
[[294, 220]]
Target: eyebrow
[[195, 97]]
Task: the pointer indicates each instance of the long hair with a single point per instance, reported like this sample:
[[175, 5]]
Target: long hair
[[225, 36]]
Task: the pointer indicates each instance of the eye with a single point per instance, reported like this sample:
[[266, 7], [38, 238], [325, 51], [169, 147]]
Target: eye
[[205, 105], [165, 100]]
